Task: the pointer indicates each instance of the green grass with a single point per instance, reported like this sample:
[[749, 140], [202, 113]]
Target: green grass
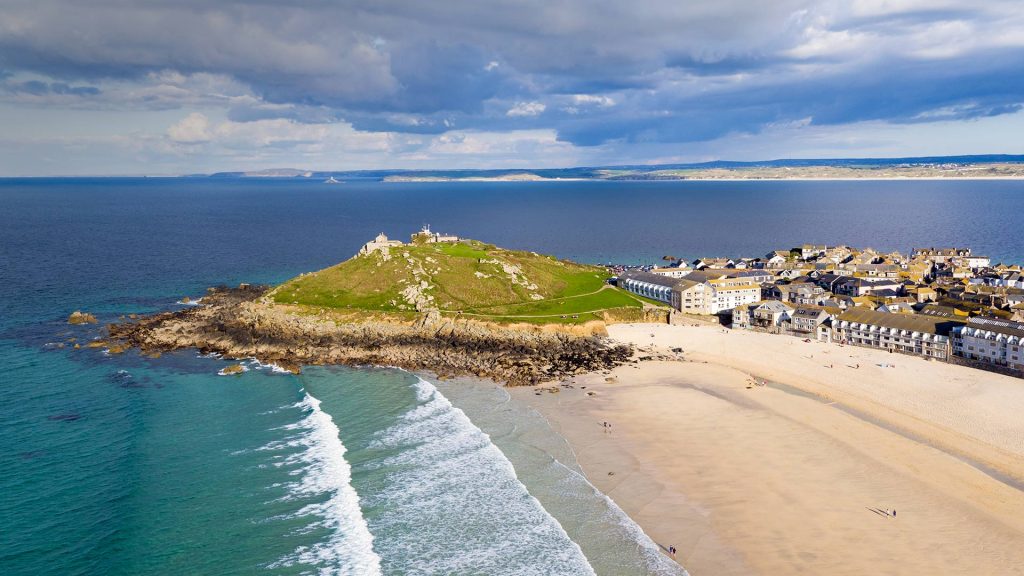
[[468, 276], [600, 300]]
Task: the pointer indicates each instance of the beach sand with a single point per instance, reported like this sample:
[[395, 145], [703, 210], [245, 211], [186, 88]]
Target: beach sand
[[795, 477]]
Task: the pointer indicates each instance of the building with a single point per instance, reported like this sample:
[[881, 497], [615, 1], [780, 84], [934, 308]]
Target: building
[[998, 342], [849, 286], [940, 255], [381, 242], [809, 251], [776, 259], [727, 293], [771, 314], [428, 237], [802, 293], [697, 293], [807, 321], [653, 286], [690, 296], [917, 334], [673, 271], [702, 263], [975, 262]]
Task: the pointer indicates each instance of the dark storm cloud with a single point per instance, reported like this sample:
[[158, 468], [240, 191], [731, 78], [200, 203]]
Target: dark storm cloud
[[595, 71]]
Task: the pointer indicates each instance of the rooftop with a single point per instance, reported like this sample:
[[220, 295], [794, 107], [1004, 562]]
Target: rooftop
[[911, 322]]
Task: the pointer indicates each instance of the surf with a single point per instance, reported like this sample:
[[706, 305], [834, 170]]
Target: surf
[[323, 471], [450, 501]]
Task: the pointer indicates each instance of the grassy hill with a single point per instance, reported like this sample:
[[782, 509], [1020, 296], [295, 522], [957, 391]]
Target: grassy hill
[[467, 278]]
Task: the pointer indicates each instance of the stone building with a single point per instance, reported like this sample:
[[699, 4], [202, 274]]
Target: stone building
[[378, 243]]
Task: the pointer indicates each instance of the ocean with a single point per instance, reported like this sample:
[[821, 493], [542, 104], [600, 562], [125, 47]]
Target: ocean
[[121, 464]]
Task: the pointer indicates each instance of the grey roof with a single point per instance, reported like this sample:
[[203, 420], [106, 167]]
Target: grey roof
[[658, 279], [912, 322], [748, 273], [809, 311], [776, 306], [1000, 326]]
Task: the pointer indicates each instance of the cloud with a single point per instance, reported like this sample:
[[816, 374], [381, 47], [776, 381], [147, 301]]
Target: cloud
[[598, 74], [192, 129], [526, 109]]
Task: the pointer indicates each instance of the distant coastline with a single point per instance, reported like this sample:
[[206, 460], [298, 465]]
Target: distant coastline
[[976, 167]]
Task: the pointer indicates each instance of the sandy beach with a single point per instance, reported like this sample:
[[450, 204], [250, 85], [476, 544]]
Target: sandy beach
[[800, 476]]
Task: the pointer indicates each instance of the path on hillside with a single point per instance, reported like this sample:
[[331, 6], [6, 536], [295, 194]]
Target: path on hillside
[[644, 305]]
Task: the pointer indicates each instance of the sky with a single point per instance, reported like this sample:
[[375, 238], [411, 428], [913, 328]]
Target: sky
[[119, 87]]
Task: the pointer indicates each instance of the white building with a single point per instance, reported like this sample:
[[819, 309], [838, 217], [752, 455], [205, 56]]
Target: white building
[[425, 235], [699, 295], [728, 293], [916, 334], [653, 286], [673, 271], [989, 340]]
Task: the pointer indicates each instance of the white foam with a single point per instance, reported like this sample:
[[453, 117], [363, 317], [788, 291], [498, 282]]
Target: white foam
[[254, 363], [452, 504], [323, 471], [224, 372], [195, 302]]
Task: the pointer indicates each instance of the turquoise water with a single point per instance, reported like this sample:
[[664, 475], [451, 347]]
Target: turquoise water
[[130, 465]]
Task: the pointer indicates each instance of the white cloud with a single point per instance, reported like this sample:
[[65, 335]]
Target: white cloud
[[593, 99], [526, 109], [192, 129]]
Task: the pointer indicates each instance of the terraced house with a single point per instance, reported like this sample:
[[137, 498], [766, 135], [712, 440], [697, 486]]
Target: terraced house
[[916, 334], [999, 342]]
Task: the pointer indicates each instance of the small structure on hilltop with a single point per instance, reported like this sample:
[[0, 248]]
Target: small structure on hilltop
[[379, 243], [425, 236]]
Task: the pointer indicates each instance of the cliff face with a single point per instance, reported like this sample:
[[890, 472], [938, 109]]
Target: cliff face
[[237, 323]]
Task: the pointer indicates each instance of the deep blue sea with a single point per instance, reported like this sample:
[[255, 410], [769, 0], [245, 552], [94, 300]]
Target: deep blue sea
[[129, 465]]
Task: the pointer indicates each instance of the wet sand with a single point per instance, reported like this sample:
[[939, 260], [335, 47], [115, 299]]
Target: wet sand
[[795, 477]]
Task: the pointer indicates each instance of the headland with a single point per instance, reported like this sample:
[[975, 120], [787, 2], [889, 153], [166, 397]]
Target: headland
[[452, 306]]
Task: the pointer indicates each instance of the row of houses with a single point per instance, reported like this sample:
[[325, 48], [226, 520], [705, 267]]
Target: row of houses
[[936, 335], [941, 303]]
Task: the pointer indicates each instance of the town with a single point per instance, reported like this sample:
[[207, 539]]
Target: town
[[945, 304]]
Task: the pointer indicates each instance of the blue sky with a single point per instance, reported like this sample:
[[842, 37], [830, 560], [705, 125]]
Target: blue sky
[[184, 86]]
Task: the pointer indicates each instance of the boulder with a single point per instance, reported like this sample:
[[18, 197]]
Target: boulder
[[79, 317]]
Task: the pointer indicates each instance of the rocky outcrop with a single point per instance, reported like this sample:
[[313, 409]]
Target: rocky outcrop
[[79, 317], [237, 323]]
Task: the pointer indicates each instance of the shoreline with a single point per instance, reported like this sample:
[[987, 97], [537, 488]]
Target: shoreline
[[787, 477]]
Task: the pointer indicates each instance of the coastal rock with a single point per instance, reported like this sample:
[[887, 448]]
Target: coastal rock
[[236, 323], [234, 369], [79, 317]]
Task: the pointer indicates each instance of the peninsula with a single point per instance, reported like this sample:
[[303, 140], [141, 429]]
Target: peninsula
[[440, 303]]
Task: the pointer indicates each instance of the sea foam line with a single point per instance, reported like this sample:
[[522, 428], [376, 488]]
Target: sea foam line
[[348, 551], [452, 503]]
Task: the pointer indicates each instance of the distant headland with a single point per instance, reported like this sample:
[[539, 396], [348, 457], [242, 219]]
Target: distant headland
[[991, 166]]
